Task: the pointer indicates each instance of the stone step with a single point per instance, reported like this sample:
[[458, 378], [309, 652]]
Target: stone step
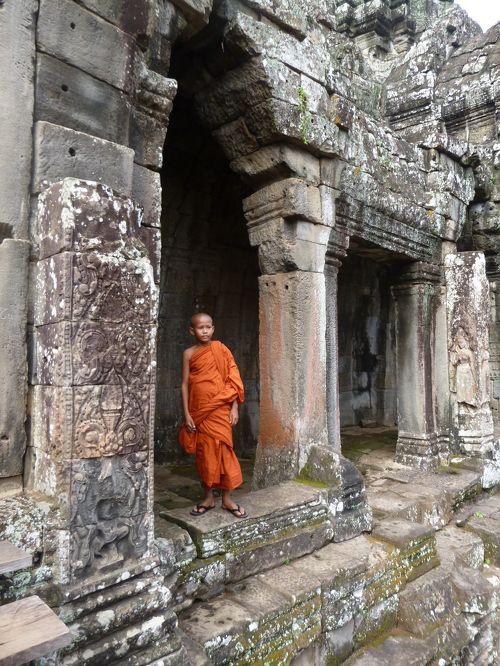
[[430, 498], [272, 616], [447, 615], [485, 524], [121, 622], [285, 522], [272, 513], [13, 558]]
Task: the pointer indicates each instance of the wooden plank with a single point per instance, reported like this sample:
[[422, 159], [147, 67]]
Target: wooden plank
[[29, 629], [13, 558]]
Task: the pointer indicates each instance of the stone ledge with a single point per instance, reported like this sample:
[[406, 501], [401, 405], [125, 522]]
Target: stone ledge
[[295, 506]]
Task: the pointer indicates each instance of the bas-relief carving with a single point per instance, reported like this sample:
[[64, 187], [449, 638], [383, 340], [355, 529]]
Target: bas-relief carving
[[109, 505], [112, 288], [71, 353], [463, 372], [111, 419], [469, 372]]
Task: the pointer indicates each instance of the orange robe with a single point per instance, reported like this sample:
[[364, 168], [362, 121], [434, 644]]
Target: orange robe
[[214, 384]]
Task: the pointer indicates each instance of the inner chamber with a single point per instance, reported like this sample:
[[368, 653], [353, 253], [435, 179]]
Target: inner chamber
[[367, 344], [207, 265]]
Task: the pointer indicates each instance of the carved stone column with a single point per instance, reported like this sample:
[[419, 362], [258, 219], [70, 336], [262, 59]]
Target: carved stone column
[[91, 449], [337, 246], [468, 306], [414, 293], [94, 360], [285, 222]]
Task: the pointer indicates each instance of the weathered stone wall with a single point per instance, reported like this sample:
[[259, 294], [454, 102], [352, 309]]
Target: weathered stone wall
[[367, 373], [207, 265]]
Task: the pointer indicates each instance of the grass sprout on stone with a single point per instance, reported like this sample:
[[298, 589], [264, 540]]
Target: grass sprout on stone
[[305, 116], [383, 157]]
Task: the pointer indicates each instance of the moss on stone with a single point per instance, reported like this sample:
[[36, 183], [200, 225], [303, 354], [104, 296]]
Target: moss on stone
[[307, 481]]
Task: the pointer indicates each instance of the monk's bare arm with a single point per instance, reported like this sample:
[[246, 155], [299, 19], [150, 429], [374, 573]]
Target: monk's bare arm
[[186, 356], [234, 416]]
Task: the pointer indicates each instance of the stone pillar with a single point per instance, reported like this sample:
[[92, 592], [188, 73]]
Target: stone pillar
[[468, 307], [93, 375], [417, 441], [17, 73], [285, 222], [337, 246], [13, 366]]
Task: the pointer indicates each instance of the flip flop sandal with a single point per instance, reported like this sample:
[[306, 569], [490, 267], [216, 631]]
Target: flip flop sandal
[[236, 511], [202, 509]]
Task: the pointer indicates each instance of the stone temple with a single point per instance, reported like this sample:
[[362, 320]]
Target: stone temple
[[322, 176]]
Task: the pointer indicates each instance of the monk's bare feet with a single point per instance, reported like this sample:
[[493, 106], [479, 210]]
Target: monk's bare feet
[[230, 505]]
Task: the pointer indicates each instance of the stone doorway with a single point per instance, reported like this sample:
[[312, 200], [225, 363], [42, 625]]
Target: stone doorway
[[367, 350], [207, 264]]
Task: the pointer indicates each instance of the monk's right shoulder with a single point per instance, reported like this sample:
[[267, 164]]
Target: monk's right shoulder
[[187, 353]]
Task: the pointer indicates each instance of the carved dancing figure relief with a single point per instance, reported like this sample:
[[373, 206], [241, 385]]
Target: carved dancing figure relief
[[463, 374]]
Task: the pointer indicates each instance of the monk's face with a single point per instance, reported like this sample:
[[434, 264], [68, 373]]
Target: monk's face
[[202, 327]]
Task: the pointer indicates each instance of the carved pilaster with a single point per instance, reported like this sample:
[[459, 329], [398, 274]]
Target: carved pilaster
[[413, 293], [468, 306], [93, 374], [337, 249]]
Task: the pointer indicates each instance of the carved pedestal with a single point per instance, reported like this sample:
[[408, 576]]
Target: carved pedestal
[[417, 441]]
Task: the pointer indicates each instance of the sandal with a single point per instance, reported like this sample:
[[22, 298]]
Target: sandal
[[201, 509], [235, 512]]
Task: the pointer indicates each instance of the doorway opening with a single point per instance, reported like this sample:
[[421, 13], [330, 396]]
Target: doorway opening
[[367, 350], [207, 265]]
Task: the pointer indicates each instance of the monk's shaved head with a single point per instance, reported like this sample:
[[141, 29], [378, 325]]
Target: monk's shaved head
[[199, 315]]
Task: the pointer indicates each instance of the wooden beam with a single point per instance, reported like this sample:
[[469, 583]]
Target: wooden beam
[[29, 629], [13, 558]]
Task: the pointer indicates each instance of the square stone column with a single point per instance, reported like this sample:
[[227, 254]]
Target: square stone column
[[468, 309], [93, 374], [414, 294], [285, 222], [292, 359]]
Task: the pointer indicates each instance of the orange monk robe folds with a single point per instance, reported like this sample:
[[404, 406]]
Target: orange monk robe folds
[[214, 384]]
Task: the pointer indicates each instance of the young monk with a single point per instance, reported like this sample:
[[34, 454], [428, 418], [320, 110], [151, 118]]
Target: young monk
[[211, 390]]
